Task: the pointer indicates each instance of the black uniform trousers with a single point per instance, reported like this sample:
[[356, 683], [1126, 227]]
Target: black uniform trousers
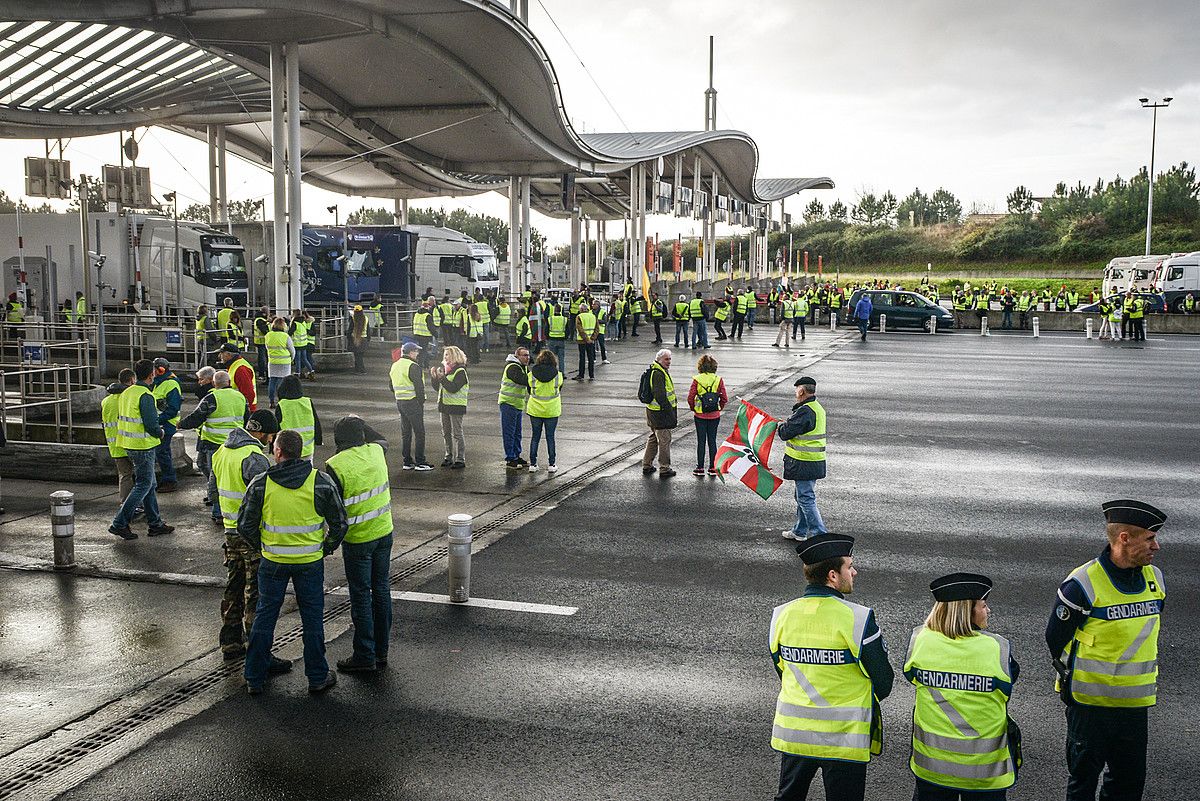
[[1108, 740], [739, 325], [933, 792], [844, 781]]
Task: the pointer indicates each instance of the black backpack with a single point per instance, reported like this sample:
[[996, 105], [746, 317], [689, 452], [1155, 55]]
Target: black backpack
[[645, 393], [709, 401]]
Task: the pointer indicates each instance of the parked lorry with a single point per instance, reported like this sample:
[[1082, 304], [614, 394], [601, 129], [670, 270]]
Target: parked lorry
[[145, 264], [1132, 272], [1179, 277]]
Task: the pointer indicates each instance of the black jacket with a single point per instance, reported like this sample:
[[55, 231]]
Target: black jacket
[[668, 415], [453, 383], [327, 500], [803, 420]]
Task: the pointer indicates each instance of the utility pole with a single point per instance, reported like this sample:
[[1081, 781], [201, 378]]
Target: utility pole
[[1145, 101]]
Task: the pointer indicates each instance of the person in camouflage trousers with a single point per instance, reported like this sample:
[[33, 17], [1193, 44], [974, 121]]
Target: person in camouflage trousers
[[234, 465]]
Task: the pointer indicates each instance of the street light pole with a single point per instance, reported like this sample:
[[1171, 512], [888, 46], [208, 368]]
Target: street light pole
[[1145, 101], [173, 197]]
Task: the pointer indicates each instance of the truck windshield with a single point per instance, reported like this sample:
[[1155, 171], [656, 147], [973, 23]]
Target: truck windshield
[[486, 268], [222, 262], [362, 262]]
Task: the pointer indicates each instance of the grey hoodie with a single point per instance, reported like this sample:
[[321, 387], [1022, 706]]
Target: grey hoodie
[[254, 464]]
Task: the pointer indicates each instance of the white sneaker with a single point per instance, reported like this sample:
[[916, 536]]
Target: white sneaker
[[533, 468], [605, 361], [788, 534], [552, 468]]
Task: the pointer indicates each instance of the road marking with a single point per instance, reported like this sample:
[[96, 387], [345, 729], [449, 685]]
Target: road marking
[[483, 603]]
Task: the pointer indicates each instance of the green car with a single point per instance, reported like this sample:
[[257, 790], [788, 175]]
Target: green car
[[903, 310]]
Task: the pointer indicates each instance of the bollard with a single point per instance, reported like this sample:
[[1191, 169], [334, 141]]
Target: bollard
[[883, 323], [1087, 329], [1036, 328], [62, 527], [983, 327], [458, 536], [833, 322], [933, 321]]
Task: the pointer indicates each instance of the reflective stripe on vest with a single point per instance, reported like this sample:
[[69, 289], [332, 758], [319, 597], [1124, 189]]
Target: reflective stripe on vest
[[809, 447], [292, 532], [421, 324], [670, 386], [558, 326], [722, 313], [824, 708], [228, 415], [545, 397], [297, 414], [363, 473], [109, 411], [696, 309], [587, 321], [960, 723], [484, 314], [131, 433], [459, 397], [277, 349], [788, 309], [511, 392], [402, 383], [231, 485], [503, 314], [1114, 654], [259, 337], [299, 333], [163, 389]]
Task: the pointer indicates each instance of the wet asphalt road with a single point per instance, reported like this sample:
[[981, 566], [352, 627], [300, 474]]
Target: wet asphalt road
[[946, 454]]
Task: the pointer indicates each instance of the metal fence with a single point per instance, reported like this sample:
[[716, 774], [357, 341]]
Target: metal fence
[[45, 390]]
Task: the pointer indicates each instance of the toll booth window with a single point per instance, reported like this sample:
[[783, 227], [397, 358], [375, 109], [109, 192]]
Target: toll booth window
[[364, 262], [456, 265], [327, 260]]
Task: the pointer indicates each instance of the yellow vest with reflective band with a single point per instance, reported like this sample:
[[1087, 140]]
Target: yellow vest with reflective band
[[81, 310], [705, 382], [503, 314], [233, 367], [229, 414], [421, 323], [300, 334], [1023, 303], [653, 404], [1114, 654], [363, 473], [523, 331], [586, 320], [809, 447], [960, 723], [722, 313], [788, 309], [259, 337], [683, 310], [658, 310], [277, 349], [800, 308], [377, 315], [1136, 309], [474, 328], [201, 329], [458, 398], [484, 314], [231, 487], [109, 410], [162, 389], [298, 415], [446, 310], [131, 434], [402, 383], [511, 392], [558, 326], [696, 309], [223, 315], [741, 304], [545, 397], [825, 703], [751, 300], [835, 300], [292, 532]]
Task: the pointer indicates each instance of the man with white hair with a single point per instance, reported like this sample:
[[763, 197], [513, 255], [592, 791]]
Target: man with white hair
[[661, 414], [216, 415], [682, 313]]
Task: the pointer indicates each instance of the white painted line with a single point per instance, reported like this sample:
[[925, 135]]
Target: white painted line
[[483, 603]]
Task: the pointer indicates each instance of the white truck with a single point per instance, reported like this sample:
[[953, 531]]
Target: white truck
[[451, 261], [1135, 273], [142, 263], [1179, 277]]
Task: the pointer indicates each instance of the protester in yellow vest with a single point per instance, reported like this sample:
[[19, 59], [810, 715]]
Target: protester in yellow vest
[[964, 676], [222, 409], [453, 387], [109, 411], [138, 433], [833, 672], [169, 399], [804, 457], [408, 385], [1103, 638], [544, 406], [661, 416], [359, 471], [707, 399], [294, 516], [296, 412]]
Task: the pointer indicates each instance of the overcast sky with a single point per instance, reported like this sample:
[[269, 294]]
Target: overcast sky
[[971, 96]]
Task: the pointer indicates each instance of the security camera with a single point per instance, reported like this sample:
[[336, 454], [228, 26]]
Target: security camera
[[260, 259]]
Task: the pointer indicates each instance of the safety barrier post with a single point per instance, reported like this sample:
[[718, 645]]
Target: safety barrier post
[[62, 529], [1087, 329], [883, 323], [458, 537], [933, 321], [983, 327], [1037, 328]]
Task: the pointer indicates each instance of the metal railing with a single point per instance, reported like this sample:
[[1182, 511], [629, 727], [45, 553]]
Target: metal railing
[[24, 387]]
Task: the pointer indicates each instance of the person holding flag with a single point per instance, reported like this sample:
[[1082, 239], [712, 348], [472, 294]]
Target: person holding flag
[[804, 457]]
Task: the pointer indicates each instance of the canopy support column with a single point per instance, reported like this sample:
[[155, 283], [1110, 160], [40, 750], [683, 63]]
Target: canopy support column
[[514, 238], [222, 180], [279, 269], [526, 231], [295, 216]]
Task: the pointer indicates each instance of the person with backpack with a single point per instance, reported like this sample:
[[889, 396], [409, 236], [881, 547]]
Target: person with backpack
[[657, 391], [707, 398], [544, 406]]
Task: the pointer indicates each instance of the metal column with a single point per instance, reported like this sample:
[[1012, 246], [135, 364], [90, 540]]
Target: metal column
[[514, 238], [222, 182], [295, 216], [526, 231], [279, 175], [576, 248], [214, 203]]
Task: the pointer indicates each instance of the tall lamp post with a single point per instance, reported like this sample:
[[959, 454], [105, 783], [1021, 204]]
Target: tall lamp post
[[334, 211], [1145, 101], [173, 198]]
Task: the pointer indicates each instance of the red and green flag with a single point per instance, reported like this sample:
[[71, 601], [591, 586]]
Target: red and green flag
[[747, 452]]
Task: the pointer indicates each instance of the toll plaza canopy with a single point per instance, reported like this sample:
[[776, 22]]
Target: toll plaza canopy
[[412, 99]]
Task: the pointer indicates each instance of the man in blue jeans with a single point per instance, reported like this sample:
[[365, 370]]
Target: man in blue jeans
[[169, 399], [514, 392], [359, 471], [862, 313], [804, 458], [139, 433], [294, 515]]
